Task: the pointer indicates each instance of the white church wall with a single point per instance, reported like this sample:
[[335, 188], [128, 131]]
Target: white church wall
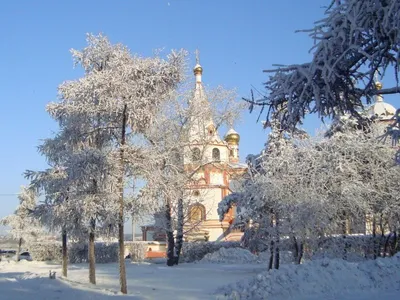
[[217, 178], [215, 234], [210, 199]]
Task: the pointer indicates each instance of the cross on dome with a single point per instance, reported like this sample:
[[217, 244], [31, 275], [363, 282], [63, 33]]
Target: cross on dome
[[197, 57], [198, 70]]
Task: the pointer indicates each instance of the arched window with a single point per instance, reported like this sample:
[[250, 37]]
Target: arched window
[[197, 213], [196, 154], [216, 154], [211, 130], [201, 181]]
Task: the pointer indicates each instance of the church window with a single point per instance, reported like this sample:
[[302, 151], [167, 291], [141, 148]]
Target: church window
[[211, 130], [196, 193], [231, 153], [197, 213], [202, 181], [216, 154], [196, 154]]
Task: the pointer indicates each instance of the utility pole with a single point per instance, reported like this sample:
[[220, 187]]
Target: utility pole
[[133, 229], [133, 218]]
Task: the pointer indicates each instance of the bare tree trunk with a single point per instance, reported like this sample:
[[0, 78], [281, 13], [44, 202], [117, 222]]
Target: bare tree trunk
[[343, 221], [170, 235], [298, 251], [382, 239], [133, 228], [276, 259], [64, 254], [277, 241], [301, 251], [386, 247], [65, 247], [122, 271], [19, 248], [295, 248], [344, 248], [271, 246], [374, 237], [271, 255], [179, 233], [92, 258], [394, 244]]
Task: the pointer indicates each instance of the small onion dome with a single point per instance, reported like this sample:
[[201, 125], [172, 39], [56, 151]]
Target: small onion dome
[[232, 137], [381, 109], [197, 69]]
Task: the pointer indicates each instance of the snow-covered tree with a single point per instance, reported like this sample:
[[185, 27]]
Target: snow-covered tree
[[78, 198], [24, 227], [123, 92], [309, 189], [355, 40]]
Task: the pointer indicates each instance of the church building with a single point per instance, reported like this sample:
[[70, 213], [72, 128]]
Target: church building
[[214, 163]]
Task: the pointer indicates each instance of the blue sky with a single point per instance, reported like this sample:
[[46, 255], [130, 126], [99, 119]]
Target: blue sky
[[236, 39]]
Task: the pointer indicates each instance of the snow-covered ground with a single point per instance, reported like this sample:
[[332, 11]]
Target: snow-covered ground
[[29, 280], [321, 279]]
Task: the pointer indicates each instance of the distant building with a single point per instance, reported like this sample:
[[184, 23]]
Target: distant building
[[384, 112]]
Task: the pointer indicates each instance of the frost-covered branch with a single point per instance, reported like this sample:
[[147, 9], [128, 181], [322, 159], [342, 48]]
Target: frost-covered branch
[[355, 40]]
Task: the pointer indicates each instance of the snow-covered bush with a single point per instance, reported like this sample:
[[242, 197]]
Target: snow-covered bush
[[195, 251], [104, 253], [137, 250], [350, 247], [46, 251], [230, 256], [77, 252]]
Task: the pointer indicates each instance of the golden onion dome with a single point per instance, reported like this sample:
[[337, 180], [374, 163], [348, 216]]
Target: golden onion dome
[[197, 69], [232, 137], [378, 85]]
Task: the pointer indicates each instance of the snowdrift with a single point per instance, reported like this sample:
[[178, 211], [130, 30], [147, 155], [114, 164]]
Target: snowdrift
[[323, 279], [195, 251], [242, 256]]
